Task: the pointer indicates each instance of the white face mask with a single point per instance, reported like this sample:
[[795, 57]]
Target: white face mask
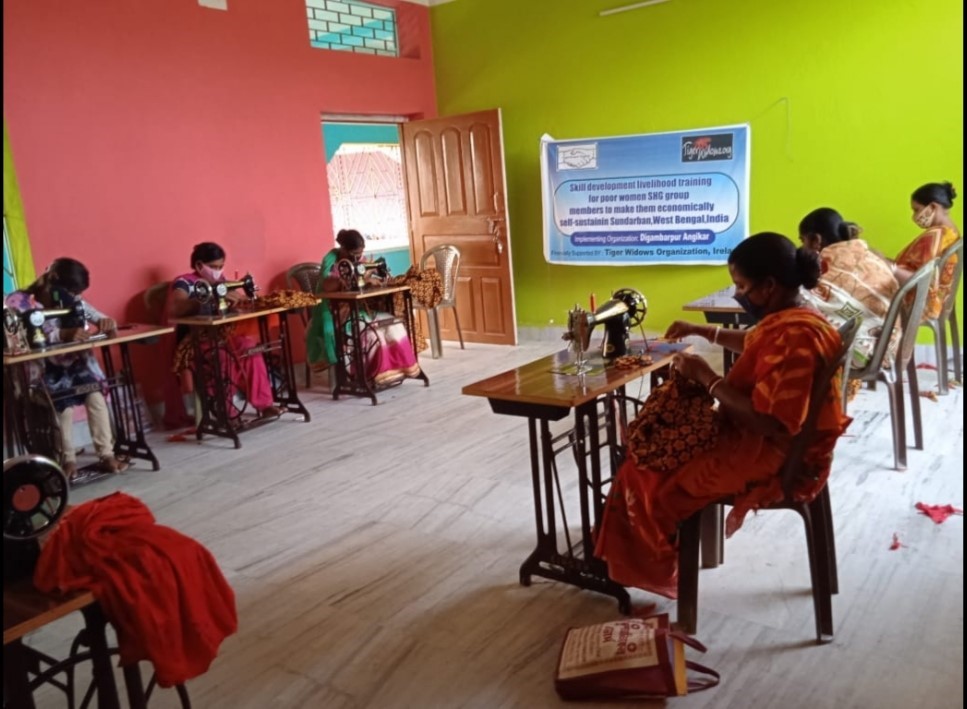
[[212, 275], [924, 218]]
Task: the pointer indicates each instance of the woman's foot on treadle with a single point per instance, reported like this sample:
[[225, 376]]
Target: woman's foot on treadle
[[70, 470], [270, 412], [110, 464]]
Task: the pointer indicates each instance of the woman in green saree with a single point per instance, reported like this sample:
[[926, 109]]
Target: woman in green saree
[[390, 356]]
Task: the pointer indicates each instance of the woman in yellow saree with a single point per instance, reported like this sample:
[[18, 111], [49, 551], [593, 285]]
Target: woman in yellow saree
[[931, 205], [763, 404]]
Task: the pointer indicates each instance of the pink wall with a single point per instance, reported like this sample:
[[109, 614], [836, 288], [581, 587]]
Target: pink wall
[[141, 127]]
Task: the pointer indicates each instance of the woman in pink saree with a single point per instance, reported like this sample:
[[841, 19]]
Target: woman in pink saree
[[248, 374]]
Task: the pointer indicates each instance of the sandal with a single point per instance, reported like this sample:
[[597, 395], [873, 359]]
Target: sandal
[[113, 465]]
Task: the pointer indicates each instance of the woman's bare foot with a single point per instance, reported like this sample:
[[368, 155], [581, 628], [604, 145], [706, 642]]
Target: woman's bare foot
[[70, 470], [270, 412], [113, 465]]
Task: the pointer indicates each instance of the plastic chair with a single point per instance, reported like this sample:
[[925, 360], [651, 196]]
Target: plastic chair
[[948, 314], [817, 515], [446, 260], [305, 277], [155, 299], [905, 308]]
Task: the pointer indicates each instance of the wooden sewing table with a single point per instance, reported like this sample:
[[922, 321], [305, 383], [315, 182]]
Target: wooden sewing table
[[541, 393], [359, 309], [130, 441], [220, 415]]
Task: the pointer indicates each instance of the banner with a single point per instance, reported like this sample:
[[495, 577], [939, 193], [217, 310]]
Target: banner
[[663, 198]]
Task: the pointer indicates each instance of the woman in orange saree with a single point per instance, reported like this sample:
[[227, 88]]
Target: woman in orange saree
[[931, 204], [763, 403]]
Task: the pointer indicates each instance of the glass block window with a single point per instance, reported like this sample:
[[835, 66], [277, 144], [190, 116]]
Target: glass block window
[[352, 26]]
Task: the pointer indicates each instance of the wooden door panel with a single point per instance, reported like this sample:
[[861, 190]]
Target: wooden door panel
[[451, 166], [424, 175], [492, 299], [456, 167], [482, 169]]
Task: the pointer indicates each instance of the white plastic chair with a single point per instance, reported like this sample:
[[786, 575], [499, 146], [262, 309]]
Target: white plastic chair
[[446, 260]]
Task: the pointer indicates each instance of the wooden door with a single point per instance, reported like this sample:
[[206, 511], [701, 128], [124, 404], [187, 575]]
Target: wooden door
[[454, 170]]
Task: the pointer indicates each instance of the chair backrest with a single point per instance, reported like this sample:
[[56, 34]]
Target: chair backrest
[[304, 277], [155, 299], [955, 250], [905, 308], [446, 260], [822, 387]]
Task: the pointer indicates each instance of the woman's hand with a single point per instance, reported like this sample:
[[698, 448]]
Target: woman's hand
[[236, 296], [679, 329], [694, 367], [108, 326], [74, 334]]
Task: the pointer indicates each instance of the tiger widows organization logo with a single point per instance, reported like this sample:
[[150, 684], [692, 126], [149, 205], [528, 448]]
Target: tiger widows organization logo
[[707, 147]]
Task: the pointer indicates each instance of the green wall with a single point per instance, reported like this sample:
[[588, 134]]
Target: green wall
[[18, 259], [852, 105]]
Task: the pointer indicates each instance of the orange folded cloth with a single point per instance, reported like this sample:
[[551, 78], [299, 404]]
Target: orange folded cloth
[[162, 591]]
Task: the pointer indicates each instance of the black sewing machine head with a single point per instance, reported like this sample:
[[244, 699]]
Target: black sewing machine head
[[217, 293], [34, 498], [625, 310], [68, 308], [353, 274]]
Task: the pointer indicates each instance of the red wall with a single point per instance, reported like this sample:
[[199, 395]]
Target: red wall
[[141, 127]]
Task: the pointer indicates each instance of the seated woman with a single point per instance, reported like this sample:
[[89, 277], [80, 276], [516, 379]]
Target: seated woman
[[247, 374], [64, 281], [762, 403], [931, 204], [389, 353], [854, 280]]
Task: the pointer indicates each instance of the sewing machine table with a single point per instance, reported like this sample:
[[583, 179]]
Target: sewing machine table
[[539, 394]]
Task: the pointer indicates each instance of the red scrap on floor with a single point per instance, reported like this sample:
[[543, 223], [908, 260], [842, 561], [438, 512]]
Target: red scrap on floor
[[938, 513], [896, 544]]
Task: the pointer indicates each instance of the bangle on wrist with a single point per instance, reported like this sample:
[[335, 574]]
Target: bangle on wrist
[[715, 382], [715, 335]]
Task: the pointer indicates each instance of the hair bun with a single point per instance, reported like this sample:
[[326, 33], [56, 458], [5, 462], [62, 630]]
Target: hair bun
[[951, 192]]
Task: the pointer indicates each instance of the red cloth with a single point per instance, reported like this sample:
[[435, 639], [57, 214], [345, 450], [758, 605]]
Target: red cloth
[[938, 513], [162, 591]]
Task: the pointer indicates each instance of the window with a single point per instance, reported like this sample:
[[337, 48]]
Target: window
[[352, 26]]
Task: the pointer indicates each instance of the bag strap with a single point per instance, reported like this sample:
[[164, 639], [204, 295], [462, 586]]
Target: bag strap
[[688, 640], [697, 685]]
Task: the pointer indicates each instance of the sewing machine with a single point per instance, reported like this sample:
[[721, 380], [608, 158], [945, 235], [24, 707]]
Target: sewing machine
[[625, 310], [354, 275], [14, 333], [25, 330], [206, 292], [34, 498]]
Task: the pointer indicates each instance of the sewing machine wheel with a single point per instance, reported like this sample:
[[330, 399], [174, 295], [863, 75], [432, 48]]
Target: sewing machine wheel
[[34, 496], [11, 321], [347, 273], [637, 305], [201, 290]]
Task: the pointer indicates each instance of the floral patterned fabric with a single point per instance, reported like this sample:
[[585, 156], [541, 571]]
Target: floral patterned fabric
[[782, 355], [930, 244], [856, 282]]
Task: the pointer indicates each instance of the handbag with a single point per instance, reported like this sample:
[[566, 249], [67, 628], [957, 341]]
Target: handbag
[[634, 657], [677, 421]]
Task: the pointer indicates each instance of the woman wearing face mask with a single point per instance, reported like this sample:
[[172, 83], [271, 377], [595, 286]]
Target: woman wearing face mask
[[762, 403], [930, 204], [389, 352], [248, 374], [854, 280]]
